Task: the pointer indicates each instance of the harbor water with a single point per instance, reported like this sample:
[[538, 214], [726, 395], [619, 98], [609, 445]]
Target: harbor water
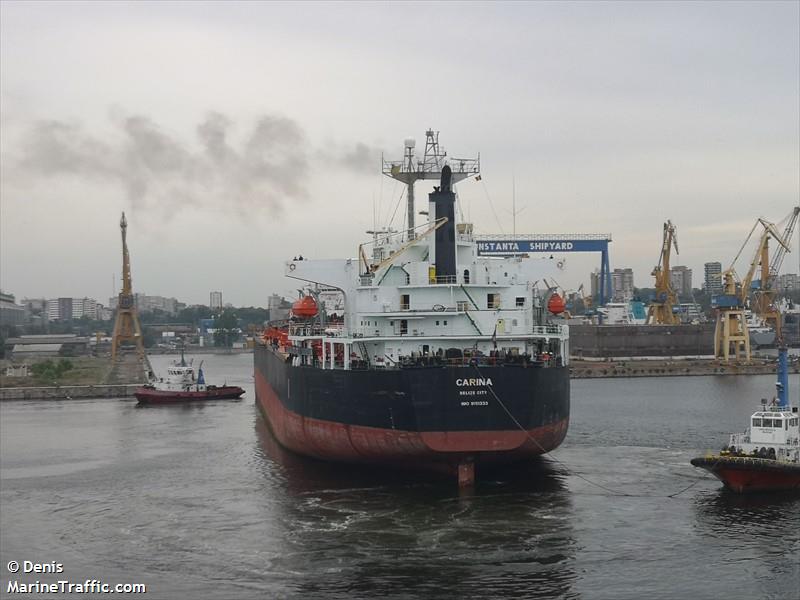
[[198, 501]]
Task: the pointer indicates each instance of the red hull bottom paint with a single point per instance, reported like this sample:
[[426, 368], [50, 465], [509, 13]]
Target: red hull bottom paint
[[151, 396], [754, 481], [752, 475], [438, 450]]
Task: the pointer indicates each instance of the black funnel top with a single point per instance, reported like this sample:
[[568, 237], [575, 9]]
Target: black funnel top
[[444, 201], [446, 176]]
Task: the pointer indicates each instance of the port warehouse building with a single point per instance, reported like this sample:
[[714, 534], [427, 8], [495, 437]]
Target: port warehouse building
[[42, 346], [10, 312]]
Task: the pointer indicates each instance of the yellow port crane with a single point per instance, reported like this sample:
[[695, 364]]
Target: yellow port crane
[[731, 335], [764, 295], [660, 310], [126, 326]]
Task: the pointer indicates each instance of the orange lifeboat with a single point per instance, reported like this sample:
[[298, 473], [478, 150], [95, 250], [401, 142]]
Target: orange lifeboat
[[305, 308], [556, 304]]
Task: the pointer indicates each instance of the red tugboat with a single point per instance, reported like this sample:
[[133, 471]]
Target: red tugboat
[[181, 385], [766, 457]]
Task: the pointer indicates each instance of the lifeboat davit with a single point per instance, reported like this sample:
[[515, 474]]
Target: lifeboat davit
[[305, 308], [556, 304]]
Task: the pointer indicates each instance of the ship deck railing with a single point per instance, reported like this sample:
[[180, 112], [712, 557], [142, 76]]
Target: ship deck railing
[[740, 438], [443, 279], [481, 361], [758, 461], [339, 331], [434, 361]]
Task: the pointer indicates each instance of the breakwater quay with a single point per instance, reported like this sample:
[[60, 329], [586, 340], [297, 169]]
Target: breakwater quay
[[580, 369], [68, 392]]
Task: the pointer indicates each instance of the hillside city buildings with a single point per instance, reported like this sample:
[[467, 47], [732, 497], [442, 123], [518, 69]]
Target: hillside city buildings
[[145, 303], [681, 279], [622, 285], [712, 282], [622, 282], [215, 300], [36, 311], [67, 309]]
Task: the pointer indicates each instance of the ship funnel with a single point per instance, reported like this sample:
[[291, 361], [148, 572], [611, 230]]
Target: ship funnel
[[444, 201], [446, 176]]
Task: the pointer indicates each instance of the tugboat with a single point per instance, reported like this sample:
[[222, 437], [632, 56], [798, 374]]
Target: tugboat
[[766, 457], [443, 358], [181, 385]]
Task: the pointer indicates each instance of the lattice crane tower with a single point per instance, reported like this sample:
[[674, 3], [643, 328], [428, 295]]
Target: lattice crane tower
[[126, 326], [409, 170], [660, 310]]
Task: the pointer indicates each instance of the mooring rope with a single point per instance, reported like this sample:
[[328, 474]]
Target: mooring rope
[[573, 472]]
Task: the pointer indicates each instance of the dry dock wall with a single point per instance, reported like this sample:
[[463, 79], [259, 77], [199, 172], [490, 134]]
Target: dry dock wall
[[609, 341], [68, 392], [591, 369]]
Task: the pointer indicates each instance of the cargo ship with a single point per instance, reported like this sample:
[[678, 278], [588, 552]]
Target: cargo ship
[[441, 358]]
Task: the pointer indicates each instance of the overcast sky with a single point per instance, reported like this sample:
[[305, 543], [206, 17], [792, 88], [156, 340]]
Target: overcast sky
[[236, 136]]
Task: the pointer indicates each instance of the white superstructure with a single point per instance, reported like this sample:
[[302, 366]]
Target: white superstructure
[[620, 313], [180, 378], [774, 432], [396, 307]]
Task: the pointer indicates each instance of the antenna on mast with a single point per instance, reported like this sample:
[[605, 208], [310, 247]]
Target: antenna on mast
[[410, 169], [514, 212]]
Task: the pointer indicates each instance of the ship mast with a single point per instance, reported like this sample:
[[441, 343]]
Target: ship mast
[[126, 326], [410, 169]]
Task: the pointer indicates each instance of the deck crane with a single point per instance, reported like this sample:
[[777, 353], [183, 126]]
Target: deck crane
[[731, 334], [660, 310], [764, 296]]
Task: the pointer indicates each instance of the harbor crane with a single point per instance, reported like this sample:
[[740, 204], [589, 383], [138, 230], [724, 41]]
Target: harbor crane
[[126, 327], [764, 296], [660, 310], [731, 335]]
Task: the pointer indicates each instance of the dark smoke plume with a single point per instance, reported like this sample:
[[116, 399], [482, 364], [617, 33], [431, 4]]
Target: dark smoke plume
[[358, 157], [262, 168]]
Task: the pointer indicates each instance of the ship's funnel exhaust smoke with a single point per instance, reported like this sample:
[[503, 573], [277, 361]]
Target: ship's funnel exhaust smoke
[[259, 169]]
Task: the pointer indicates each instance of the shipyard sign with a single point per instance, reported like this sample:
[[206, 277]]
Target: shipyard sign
[[511, 247]]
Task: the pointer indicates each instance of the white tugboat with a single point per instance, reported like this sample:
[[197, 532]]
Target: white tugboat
[[766, 457]]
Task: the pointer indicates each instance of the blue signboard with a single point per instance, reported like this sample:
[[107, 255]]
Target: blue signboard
[[502, 247], [508, 246]]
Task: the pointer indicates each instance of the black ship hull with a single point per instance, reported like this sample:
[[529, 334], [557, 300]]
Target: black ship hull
[[437, 417]]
